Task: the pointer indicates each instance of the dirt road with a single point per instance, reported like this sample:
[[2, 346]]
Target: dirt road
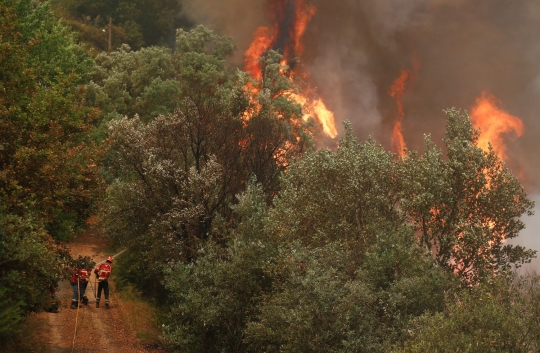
[[98, 329]]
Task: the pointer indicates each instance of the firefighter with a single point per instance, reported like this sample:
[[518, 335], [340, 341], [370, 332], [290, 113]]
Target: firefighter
[[102, 273], [79, 281]]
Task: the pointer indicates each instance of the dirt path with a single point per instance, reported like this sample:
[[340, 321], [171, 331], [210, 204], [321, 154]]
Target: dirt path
[[98, 329]]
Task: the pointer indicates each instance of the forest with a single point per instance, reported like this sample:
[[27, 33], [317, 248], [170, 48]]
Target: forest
[[244, 234]]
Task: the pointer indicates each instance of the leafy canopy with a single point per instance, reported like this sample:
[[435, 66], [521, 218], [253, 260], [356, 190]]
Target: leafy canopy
[[176, 173], [48, 168]]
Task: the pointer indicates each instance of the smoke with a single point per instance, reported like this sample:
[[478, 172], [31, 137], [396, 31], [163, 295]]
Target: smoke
[[352, 92], [355, 49], [236, 18], [529, 237]]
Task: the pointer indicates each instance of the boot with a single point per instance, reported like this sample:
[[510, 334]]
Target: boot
[[97, 304], [107, 305], [85, 300], [74, 304]]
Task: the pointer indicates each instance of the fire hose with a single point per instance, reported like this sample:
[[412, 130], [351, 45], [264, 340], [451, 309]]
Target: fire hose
[[77, 314], [115, 255], [79, 300]]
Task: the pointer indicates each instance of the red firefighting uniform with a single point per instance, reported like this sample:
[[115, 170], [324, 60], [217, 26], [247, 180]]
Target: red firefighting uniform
[[79, 280], [82, 273], [103, 272]]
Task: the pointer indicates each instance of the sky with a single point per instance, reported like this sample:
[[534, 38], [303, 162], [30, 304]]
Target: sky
[[455, 49]]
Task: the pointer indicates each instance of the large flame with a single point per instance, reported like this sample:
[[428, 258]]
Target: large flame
[[317, 108], [263, 39], [494, 123], [397, 91], [290, 19]]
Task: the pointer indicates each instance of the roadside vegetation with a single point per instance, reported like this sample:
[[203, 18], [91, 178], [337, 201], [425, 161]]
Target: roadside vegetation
[[141, 313]]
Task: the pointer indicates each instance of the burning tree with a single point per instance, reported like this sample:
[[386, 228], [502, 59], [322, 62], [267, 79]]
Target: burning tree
[[467, 206], [289, 22], [358, 248], [178, 172]]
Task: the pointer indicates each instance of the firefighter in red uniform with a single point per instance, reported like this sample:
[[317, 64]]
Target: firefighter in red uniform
[[102, 273], [79, 281]]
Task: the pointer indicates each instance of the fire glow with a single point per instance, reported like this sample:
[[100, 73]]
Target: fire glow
[[290, 19], [397, 91], [494, 123]]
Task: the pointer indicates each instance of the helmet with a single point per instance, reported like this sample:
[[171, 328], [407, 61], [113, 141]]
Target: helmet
[[110, 259]]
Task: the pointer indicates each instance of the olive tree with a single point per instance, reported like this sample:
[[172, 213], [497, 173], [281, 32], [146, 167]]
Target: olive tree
[[348, 275], [466, 205], [178, 172]]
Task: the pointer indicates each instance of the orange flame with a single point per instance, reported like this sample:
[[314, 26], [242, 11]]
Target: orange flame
[[494, 123], [290, 18], [304, 15], [262, 42], [325, 117], [397, 91], [318, 108]]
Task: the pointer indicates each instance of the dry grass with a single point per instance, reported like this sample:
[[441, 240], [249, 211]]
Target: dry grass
[[140, 315]]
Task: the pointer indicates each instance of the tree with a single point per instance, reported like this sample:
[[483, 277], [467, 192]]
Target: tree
[[130, 82], [277, 286], [177, 173], [48, 168], [465, 207], [497, 316], [343, 267], [348, 275], [140, 22], [214, 298], [46, 159], [342, 195]]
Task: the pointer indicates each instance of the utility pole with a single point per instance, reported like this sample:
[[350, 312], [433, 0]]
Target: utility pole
[[110, 34]]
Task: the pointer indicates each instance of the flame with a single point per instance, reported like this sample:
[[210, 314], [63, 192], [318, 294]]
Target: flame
[[325, 116], [397, 91], [264, 37], [318, 108], [290, 19], [494, 123], [304, 15]]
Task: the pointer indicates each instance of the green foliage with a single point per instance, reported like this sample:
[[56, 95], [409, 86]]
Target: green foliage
[[137, 23], [342, 195], [213, 298], [30, 264], [128, 82], [319, 306], [501, 316], [336, 265], [177, 173], [347, 277], [290, 288], [48, 168], [465, 206], [10, 316], [52, 47], [45, 158]]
